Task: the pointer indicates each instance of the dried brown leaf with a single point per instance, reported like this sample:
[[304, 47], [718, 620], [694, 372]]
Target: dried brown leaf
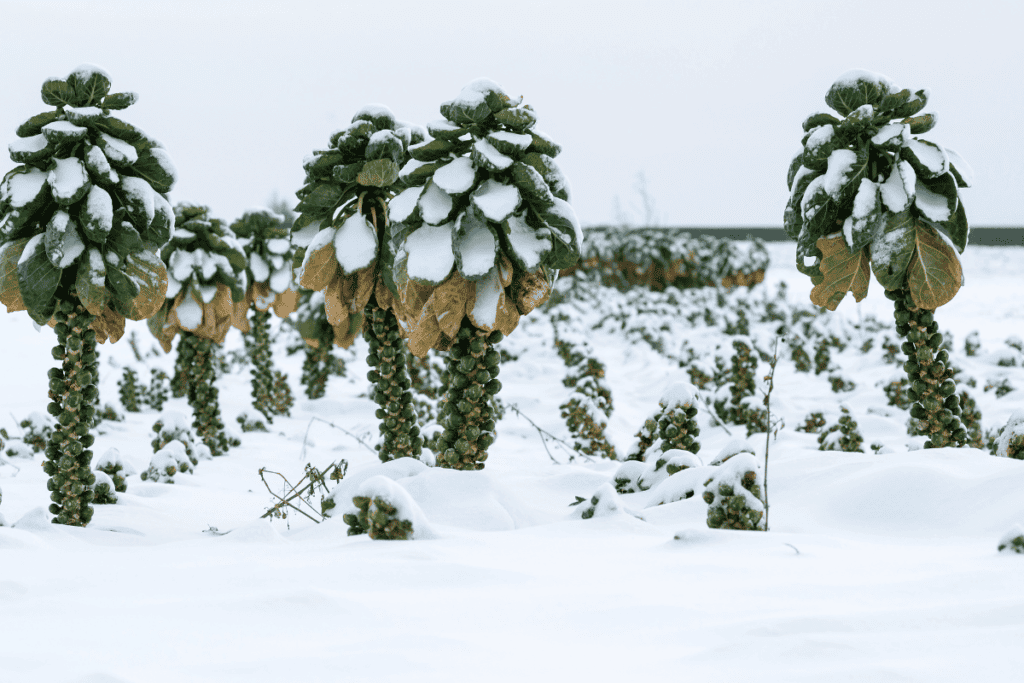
[[841, 272], [934, 275]]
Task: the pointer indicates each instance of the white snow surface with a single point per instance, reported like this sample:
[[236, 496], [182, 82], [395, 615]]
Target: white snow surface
[[20, 189], [67, 178], [29, 144], [100, 207], [500, 161], [435, 204], [456, 176], [932, 156], [488, 296], [259, 268], [141, 191], [877, 567], [496, 200], [840, 163], [477, 248], [899, 188], [932, 204], [680, 394], [430, 252], [355, 244], [404, 204], [117, 150], [525, 241]]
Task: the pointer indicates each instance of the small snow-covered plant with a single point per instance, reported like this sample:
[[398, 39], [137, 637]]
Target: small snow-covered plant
[[970, 415], [346, 199], [842, 436], [822, 356], [129, 390], [265, 237], [205, 295], [310, 320], [173, 426], [250, 425], [385, 511], [604, 502], [117, 468], [480, 235], [740, 382], [677, 420], [868, 195], [1011, 440], [662, 464], [972, 343], [1012, 541], [896, 392], [841, 384], [80, 217], [734, 494], [37, 430], [587, 412], [798, 354], [103, 489], [159, 385], [167, 462]]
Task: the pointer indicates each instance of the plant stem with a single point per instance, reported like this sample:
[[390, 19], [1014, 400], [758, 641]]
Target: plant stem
[[203, 396], [387, 356], [262, 375]]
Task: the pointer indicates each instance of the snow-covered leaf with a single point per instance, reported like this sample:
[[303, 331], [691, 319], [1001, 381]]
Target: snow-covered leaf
[[937, 198], [435, 204], [68, 181], [355, 244], [91, 282], [856, 88], [892, 250], [526, 246], [61, 132], [867, 220], [928, 159], [476, 245], [899, 188], [119, 100], [38, 280], [155, 166], [431, 254], [34, 125], [63, 243], [532, 186], [820, 144], [147, 272], [403, 206], [456, 177], [33, 148], [486, 156], [90, 83], [137, 197], [319, 265], [519, 119], [96, 214], [960, 169], [496, 200], [119, 152]]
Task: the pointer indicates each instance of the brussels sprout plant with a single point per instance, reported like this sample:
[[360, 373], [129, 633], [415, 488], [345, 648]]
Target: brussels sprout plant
[[481, 234], [265, 237], [205, 294], [81, 219], [348, 187], [870, 196]]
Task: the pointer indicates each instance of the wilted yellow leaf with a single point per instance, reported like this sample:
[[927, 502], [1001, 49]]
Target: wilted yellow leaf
[[841, 272], [934, 275]]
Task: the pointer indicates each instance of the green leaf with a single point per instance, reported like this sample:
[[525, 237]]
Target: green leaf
[[869, 217], [819, 147], [322, 198], [935, 196], [62, 242], [463, 113], [422, 174], [892, 250], [321, 164], [57, 93], [444, 130], [378, 173], [30, 150], [159, 231], [819, 211], [119, 100], [38, 280], [386, 145], [519, 119], [431, 150], [120, 130], [913, 104], [934, 275], [793, 217], [348, 173], [90, 283], [154, 167], [542, 144], [855, 90], [819, 119], [921, 124], [956, 228], [147, 272], [124, 240], [90, 86], [121, 286], [532, 186], [928, 159], [34, 126], [842, 272]]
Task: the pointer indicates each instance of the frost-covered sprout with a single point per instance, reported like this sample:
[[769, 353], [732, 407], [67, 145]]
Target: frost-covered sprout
[[603, 503], [266, 239], [844, 435], [480, 235], [173, 426], [385, 511], [310, 320], [129, 390], [116, 468], [869, 196], [166, 463], [587, 412], [80, 219], [1011, 542], [159, 385], [734, 494], [345, 206], [205, 296], [103, 489], [1011, 440]]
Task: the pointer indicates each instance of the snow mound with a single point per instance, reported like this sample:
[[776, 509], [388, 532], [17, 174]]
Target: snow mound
[[256, 531]]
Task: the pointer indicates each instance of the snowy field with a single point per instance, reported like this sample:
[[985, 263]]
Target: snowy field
[[877, 567]]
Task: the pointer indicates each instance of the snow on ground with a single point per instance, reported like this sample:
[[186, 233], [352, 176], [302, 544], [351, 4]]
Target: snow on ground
[[876, 568]]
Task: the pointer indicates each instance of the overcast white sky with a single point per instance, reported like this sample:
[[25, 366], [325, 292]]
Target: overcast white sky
[[704, 98]]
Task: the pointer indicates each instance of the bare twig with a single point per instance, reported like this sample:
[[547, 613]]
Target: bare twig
[[770, 379], [276, 509], [713, 413], [305, 438], [302, 490], [545, 435]]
